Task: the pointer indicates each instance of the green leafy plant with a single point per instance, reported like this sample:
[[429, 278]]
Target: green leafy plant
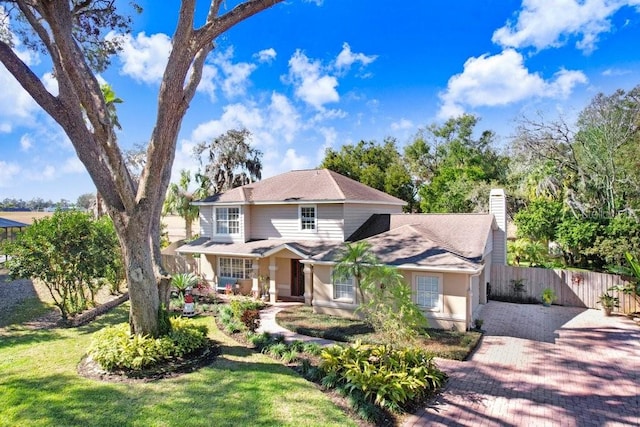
[[114, 348], [69, 252], [477, 324], [182, 281], [388, 306], [259, 341], [390, 309], [608, 302], [387, 376], [517, 285], [548, 296]]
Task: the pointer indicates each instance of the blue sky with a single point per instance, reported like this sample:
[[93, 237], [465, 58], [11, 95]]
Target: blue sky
[[307, 75]]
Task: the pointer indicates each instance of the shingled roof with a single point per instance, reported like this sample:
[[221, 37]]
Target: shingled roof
[[307, 186], [436, 240]]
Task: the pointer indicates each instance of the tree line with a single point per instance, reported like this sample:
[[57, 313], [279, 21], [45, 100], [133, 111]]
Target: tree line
[[575, 185]]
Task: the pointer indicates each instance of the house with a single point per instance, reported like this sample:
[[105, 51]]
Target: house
[[286, 231]]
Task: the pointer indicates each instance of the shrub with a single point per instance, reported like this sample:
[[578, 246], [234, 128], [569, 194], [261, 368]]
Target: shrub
[[259, 341], [240, 305], [386, 376], [115, 348], [186, 336], [70, 253], [240, 315], [251, 319]]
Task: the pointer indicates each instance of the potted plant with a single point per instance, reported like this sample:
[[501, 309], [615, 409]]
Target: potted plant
[[548, 297], [264, 287], [608, 302]]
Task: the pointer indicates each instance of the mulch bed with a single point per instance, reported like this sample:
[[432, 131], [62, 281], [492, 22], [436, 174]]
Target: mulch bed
[[89, 368]]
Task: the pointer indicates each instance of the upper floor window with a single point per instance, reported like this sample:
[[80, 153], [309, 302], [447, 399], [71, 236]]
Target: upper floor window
[[236, 268], [428, 291], [227, 220], [308, 217]]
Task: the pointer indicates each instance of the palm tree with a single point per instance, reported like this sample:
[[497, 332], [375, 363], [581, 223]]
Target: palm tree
[[179, 199], [355, 260]]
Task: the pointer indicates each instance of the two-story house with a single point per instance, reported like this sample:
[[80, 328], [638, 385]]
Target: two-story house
[[290, 227]]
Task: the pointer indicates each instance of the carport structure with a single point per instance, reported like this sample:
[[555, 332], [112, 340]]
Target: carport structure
[[7, 226]]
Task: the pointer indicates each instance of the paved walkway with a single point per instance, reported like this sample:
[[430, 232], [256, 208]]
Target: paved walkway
[[268, 324], [535, 366], [543, 366]]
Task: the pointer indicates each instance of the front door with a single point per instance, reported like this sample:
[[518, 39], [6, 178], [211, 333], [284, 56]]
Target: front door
[[297, 278]]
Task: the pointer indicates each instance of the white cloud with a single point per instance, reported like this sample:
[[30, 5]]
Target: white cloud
[[346, 58], [615, 72], [41, 174], [236, 76], [5, 127], [7, 172], [330, 138], [550, 23], [15, 102], [144, 58], [402, 124], [500, 80], [292, 161], [313, 85], [283, 117], [235, 116], [266, 55], [73, 165], [51, 83], [208, 81], [26, 142]]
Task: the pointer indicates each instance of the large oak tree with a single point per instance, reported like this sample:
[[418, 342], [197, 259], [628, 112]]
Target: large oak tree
[[72, 33]]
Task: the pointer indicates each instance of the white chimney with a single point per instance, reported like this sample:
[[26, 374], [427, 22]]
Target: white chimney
[[498, 207]]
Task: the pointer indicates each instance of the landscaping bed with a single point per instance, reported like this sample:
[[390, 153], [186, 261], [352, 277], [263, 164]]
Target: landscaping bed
[[441, 343], [39, 386]]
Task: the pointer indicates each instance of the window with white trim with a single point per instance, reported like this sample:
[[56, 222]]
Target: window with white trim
[[428, 291], [307, 217], [235, 268], [343, 288], [227, 220]]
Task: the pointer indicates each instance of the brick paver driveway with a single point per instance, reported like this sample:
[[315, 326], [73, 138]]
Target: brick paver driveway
[[539, 366]]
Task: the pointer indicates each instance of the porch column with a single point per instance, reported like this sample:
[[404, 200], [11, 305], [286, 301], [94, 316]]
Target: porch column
[[272, 281], [308, 284], [255, 285]]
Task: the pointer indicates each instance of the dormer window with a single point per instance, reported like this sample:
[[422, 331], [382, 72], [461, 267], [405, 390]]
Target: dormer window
[[308, 218], [227, 220]]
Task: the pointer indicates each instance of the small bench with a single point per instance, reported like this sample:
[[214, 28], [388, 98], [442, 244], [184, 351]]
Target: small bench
[[223, 282]]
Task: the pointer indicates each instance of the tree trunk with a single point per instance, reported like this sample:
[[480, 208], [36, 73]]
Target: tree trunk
[[188, 228], [137, 252]]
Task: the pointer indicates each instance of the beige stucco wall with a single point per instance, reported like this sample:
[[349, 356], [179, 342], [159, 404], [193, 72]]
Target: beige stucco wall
[[452, 312]]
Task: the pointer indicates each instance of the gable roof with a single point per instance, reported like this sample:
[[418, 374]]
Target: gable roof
[[446, 240], [303, 186]]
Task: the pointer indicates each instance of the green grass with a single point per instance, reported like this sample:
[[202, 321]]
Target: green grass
[[30, 308], [446, 344], [39, 386]]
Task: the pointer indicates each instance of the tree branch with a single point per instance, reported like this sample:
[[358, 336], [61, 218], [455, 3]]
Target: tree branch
[[218, 25], [29, 81]]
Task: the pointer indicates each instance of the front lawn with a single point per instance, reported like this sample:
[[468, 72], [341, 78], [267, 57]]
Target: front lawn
[[445, 344], [39, 386]]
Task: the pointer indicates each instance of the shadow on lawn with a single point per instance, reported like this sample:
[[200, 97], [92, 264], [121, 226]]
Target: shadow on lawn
[[62, 400], [21, 336]]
